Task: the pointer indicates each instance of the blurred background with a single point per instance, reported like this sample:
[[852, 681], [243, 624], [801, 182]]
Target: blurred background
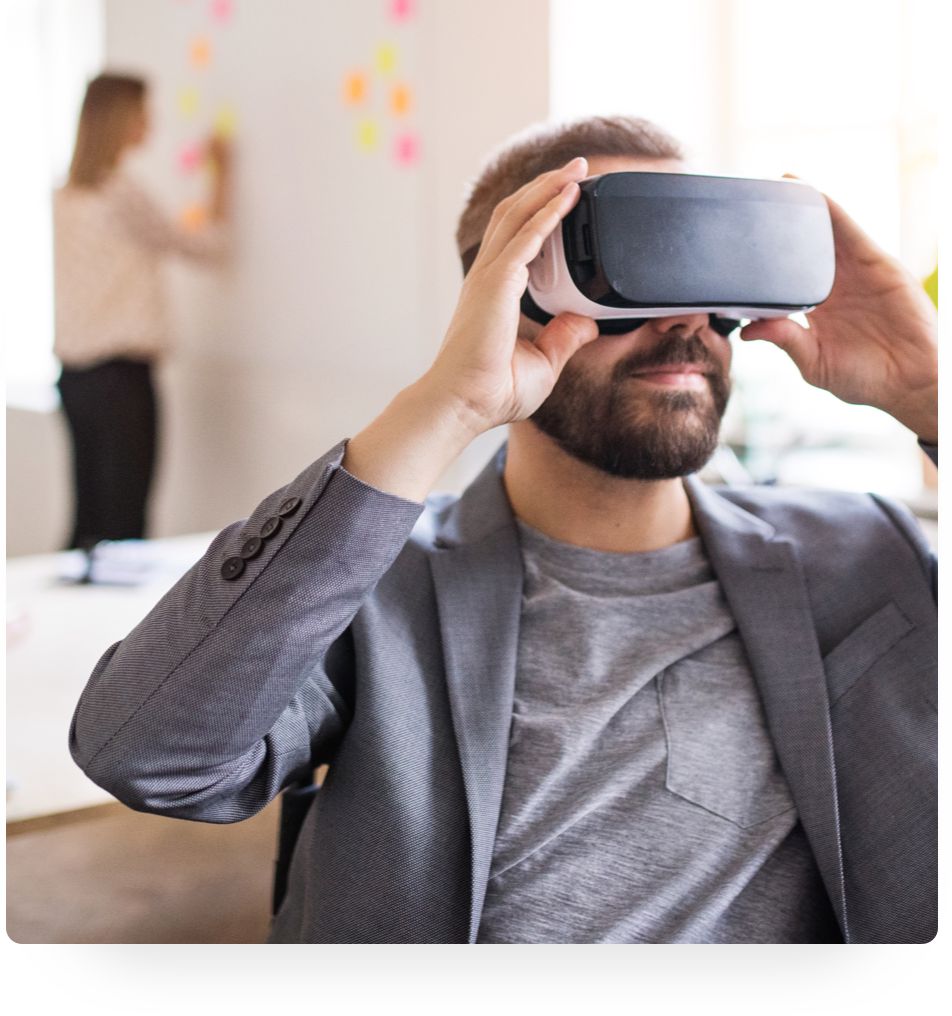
[[343, 272], [356, 128]]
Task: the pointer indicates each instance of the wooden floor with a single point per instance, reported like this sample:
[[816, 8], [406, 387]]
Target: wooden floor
[[113, 875]]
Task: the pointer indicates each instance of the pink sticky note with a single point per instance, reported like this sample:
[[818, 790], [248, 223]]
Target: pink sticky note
[[221, 10], [401, 10], [190, 158], [406, 149]]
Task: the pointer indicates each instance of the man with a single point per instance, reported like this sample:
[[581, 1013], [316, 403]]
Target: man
[[590, 700]]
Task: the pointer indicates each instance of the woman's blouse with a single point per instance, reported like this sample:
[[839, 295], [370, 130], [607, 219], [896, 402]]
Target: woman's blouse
[[108, 245]]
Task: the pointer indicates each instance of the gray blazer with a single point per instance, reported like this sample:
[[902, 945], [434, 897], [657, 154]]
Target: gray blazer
[[380, 636]]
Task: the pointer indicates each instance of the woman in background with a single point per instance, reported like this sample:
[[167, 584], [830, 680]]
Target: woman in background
[[110, 238]]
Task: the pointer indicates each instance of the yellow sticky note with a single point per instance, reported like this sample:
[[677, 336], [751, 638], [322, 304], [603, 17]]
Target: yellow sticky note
[[188, 102], [200, 52], [194, 216], [400, 100], [226, 122], [355, 88], [368, 135], [385, 58]]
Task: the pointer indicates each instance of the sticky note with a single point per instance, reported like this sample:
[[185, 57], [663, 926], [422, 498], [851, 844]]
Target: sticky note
[[226, 122], [188, 102], [221, 10], [190, 158], [355, 88], [400, 100], [194, 217], [367, 135], [406, 149], [401, 10], [385, 58], [200, 52]]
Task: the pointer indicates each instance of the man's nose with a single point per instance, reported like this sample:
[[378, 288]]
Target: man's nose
[[681, 324]]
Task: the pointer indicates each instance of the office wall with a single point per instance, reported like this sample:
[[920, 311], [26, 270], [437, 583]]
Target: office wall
[[343, 274]]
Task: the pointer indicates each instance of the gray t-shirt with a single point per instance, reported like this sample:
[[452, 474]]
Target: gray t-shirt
[[643, 799]]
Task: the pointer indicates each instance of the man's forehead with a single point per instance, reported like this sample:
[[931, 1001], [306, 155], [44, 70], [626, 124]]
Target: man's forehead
[[598, 164]]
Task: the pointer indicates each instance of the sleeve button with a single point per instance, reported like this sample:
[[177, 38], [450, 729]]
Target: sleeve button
[[251, 548], [270, 527], [232, 568], [289, 506]]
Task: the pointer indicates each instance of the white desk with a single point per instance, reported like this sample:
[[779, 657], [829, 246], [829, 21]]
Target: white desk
[[56, 635]]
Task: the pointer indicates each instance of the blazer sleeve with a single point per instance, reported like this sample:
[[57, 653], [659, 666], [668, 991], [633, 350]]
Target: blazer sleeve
[[154, 229], [221, 695]]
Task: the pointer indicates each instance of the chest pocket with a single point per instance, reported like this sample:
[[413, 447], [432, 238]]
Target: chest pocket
[[720, 756], [863, 648]]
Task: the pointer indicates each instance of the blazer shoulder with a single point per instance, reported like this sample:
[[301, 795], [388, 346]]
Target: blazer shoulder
[[790, 508], [852, 525]]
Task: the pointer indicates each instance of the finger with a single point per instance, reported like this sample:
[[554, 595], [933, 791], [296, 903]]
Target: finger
[[512, 213], [563, 336], [795, 340], [524, 246]]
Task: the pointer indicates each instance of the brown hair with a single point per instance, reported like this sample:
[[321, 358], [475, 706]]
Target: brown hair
[[541, 149], [109, 105]]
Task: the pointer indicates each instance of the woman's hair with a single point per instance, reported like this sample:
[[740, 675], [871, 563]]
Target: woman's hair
[[110, 104], [540, 149]]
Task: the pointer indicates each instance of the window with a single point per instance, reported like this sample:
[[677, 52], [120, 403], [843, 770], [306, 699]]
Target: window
[[50, 48], [845, 96]]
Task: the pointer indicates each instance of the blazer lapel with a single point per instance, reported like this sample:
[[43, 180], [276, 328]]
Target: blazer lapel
[[477, 571], [764, 584]]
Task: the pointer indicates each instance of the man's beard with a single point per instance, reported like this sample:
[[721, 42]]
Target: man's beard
[[634, 431]]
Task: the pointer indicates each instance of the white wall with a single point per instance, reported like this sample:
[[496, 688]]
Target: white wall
[[344, 273], [663, 61]]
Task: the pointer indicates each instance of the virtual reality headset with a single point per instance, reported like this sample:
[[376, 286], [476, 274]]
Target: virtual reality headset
[[645, 245]]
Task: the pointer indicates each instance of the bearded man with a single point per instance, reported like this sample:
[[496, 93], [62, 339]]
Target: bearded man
[[592, 699]]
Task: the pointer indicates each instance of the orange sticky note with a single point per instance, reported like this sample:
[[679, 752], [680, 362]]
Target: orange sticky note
[[400, 100], [355, 88], [385, 58], [200, 52], [194, 216], [367, 135]]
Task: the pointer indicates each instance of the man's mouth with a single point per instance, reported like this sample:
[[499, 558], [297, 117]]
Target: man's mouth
[[676, 375]]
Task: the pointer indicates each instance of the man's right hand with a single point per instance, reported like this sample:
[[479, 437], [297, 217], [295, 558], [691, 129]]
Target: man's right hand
[[485, 373], [495, 375]]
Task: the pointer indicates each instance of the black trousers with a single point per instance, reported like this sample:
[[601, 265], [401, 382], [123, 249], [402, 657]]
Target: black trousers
[[112, 417]]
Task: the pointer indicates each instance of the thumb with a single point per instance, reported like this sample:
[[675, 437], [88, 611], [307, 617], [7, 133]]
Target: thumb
[[563, 336]]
